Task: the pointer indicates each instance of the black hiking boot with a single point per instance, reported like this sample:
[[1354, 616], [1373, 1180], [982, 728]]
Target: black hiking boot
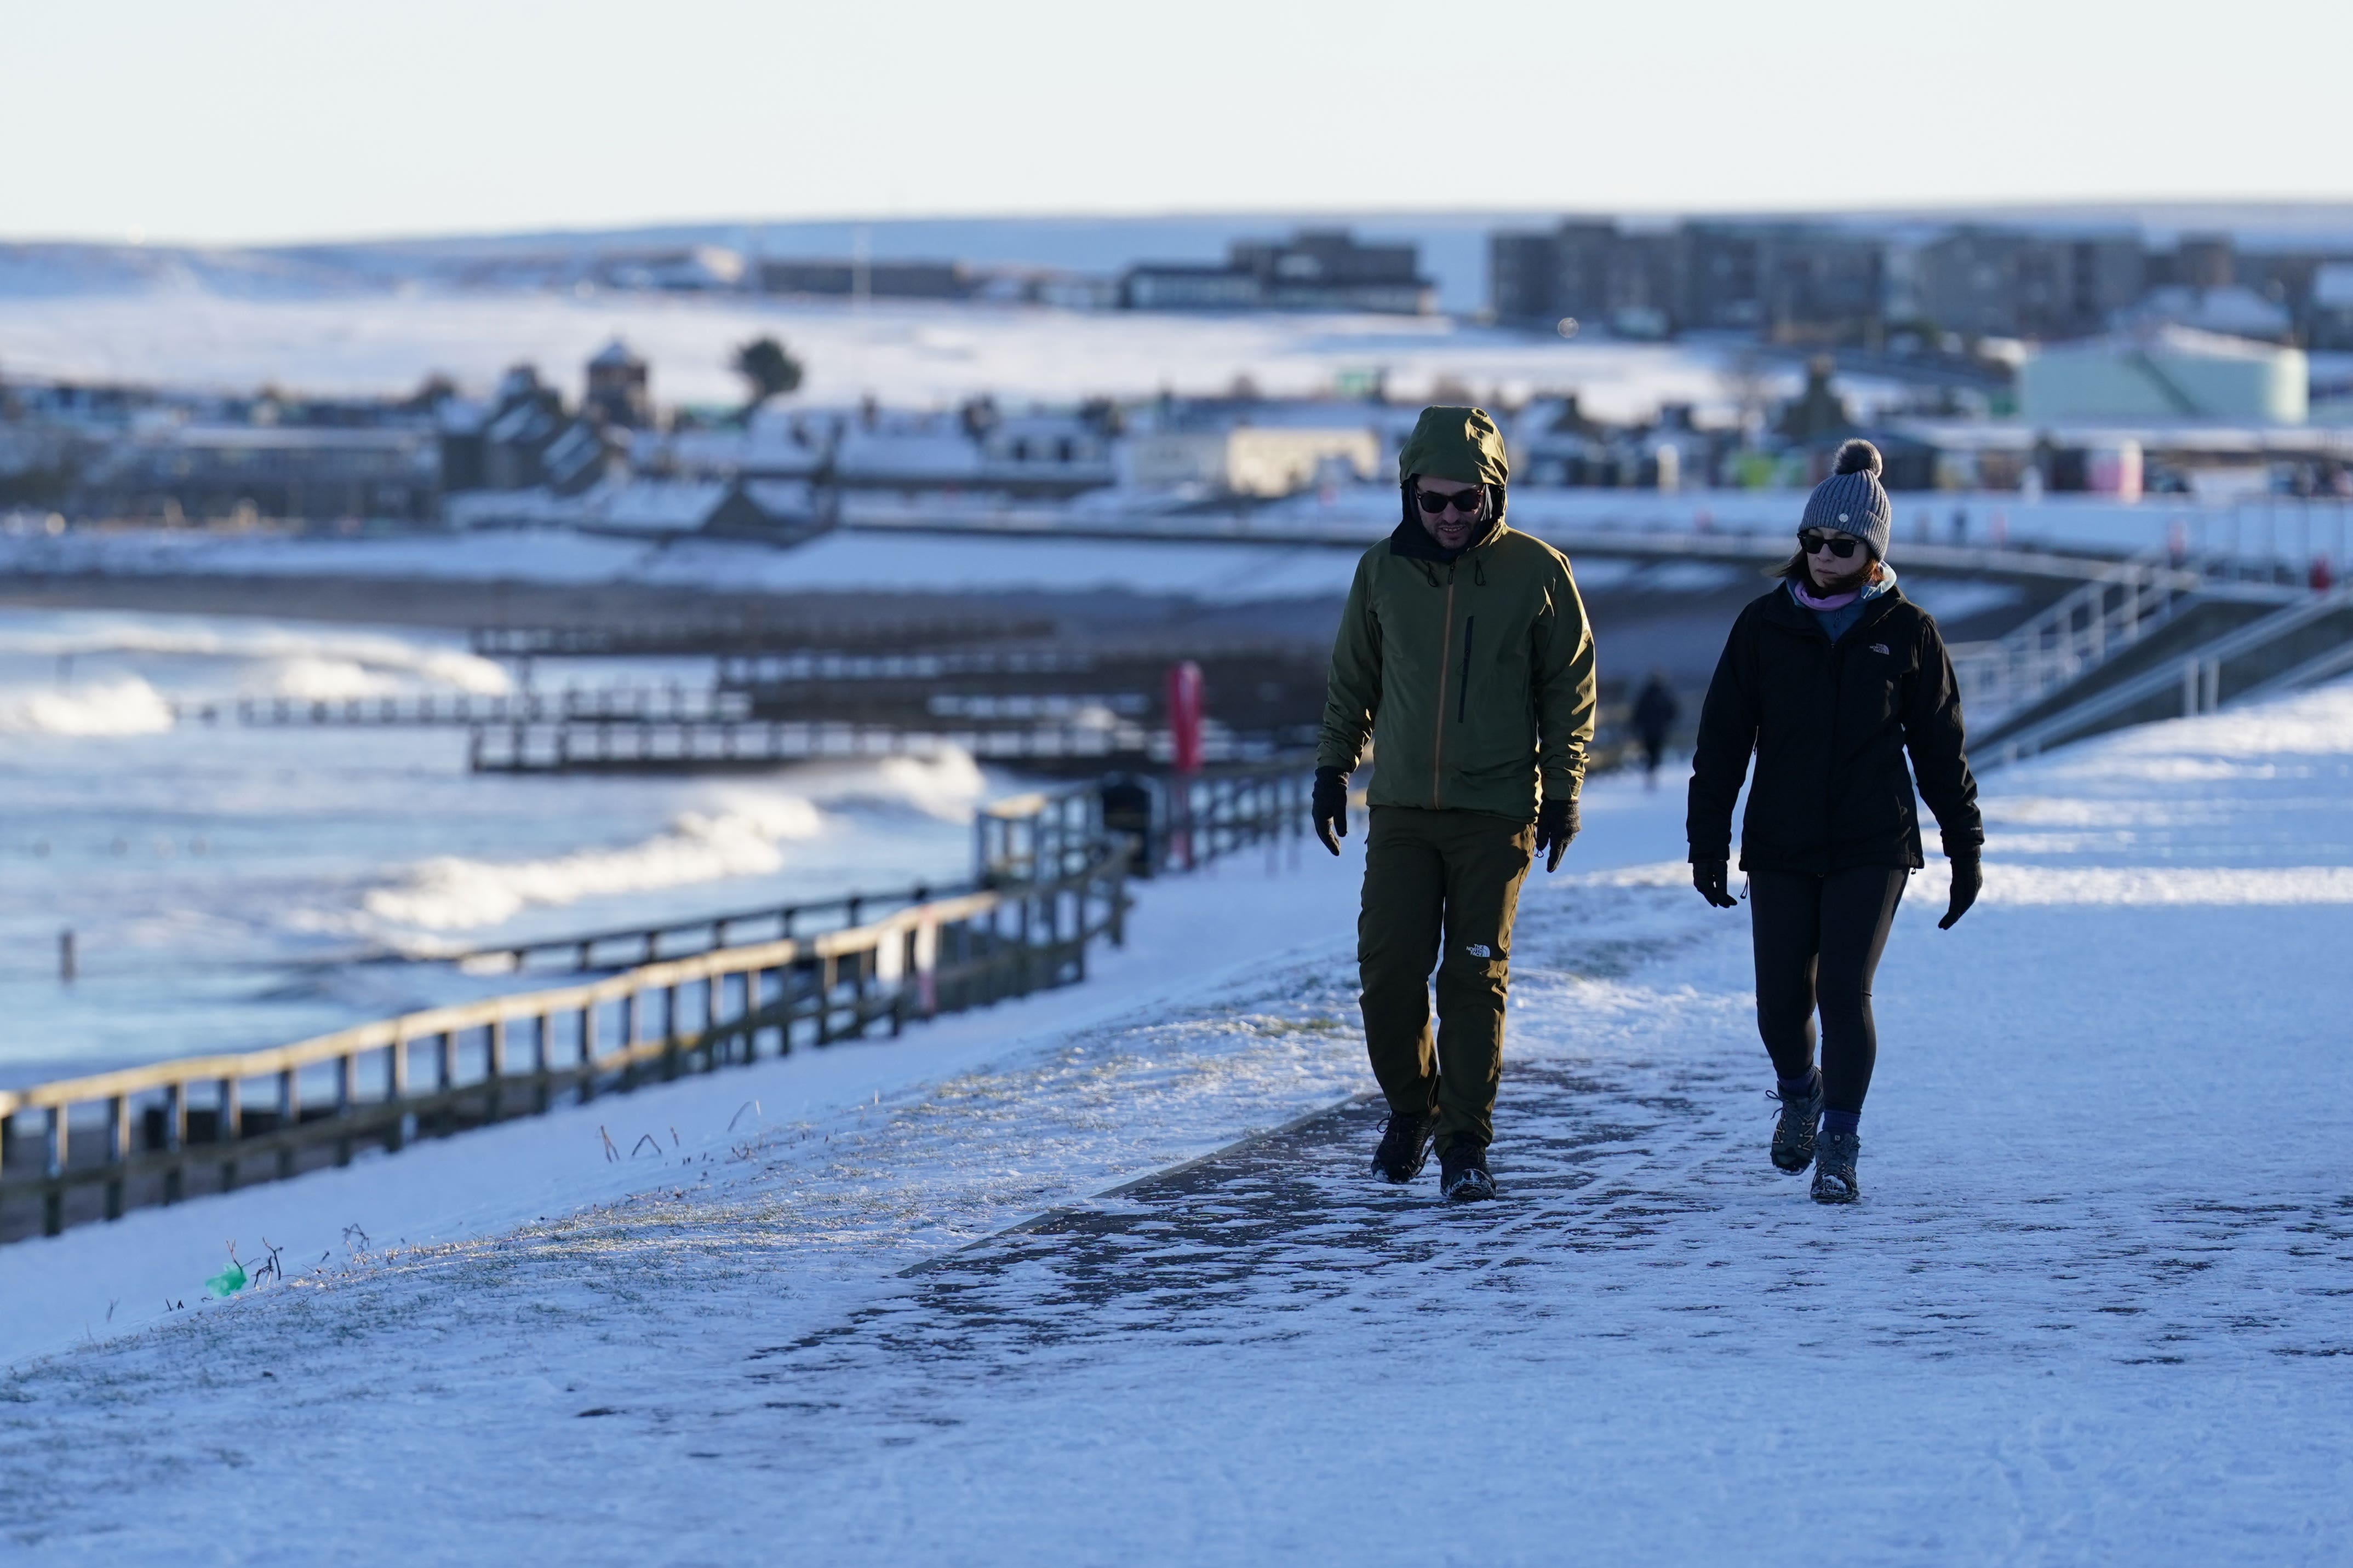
[[1793, 1135], [1834, 1180], [1462, 1172], [1405, 1147]]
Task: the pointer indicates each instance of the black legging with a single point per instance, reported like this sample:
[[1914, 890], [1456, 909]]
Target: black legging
[[1821, 936]]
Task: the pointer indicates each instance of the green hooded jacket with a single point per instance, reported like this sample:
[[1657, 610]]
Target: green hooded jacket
[[1475, 672]]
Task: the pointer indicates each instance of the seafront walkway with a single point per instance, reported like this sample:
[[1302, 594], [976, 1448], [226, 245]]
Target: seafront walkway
[[977, 1296]]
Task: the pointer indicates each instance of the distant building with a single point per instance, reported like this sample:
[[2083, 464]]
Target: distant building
[[1994, 282], [1172, 286], [2231, 309], [693, 270], [583, 456], [1315, 270], [1045, 454], [874, 279], [1252, 459], [501, 450], [1790, 283], [206, 470], [2170, 373], [619, 392], [2328, 313]]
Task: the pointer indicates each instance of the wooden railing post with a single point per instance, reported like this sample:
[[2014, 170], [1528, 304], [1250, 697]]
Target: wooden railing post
[[827, 977], [395, 1092], [289, 1117], [345, 1096], [495, 1066], [587, 1052], [52, 1203], [118, 1151], [175, 1138], [229, 1128]]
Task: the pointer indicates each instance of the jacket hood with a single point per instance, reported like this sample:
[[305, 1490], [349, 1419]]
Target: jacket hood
[[1458, 443]]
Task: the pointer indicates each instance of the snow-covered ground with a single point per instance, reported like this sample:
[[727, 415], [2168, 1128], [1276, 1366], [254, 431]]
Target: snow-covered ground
[[1272, 567], [217, 878], [907, 353], [2093, 1307]]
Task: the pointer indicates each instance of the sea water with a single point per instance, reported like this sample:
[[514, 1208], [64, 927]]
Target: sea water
[[230, 887]]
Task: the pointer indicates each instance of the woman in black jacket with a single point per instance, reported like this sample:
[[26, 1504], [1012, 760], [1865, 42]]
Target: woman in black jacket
[[1829, 678]]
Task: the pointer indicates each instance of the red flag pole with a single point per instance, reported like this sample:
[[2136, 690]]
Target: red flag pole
[[1184, 755]]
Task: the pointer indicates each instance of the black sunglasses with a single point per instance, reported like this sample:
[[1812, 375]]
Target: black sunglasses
[[1467, 502], [1843, 545]]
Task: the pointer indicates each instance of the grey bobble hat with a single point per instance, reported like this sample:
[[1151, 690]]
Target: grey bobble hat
[[1852, 499]]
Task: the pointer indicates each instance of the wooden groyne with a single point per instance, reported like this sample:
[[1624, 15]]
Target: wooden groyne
[[606, 705], [753, 635], [727, 746]]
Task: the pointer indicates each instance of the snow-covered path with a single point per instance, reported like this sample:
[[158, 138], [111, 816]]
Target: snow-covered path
[[2096, 1306]]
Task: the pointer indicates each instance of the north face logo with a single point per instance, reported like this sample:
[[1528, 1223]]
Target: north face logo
[[1478, 949], [1879, 648]]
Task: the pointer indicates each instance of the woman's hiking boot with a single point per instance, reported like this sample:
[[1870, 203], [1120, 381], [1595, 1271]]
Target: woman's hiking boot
[[1462, 1172], [1793, 1135], [1834, 1180], [1405, 1147]]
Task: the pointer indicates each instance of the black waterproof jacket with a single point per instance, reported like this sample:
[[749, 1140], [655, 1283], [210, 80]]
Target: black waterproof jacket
[[1830, 724]]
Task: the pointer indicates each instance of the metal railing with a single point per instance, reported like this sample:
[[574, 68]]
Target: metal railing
[[166, 1132], [2089, 625], [2071, 636], [2304, 641]]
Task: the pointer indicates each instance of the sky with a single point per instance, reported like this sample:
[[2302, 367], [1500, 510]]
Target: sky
[[255, 120]]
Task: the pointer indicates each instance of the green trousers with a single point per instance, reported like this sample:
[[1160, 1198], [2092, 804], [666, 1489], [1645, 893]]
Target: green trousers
[[1440, 889]]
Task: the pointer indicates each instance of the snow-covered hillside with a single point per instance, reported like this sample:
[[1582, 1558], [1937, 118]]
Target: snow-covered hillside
[[2092, 1306]]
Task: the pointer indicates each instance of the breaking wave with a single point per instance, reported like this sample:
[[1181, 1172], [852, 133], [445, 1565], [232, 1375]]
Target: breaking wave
[[449, 893], [125, 707], [312, 679], [734, 832], [947, 786], [369, 653]]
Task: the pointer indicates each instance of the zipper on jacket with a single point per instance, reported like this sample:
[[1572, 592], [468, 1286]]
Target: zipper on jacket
[[1463, 702], [1437, 742]]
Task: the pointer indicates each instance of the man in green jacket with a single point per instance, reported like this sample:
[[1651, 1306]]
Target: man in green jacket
[[1464, 649]]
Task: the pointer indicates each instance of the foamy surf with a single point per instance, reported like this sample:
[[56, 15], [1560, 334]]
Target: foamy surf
[[449, 893], [278, 647], [736, 832], [125, 707]]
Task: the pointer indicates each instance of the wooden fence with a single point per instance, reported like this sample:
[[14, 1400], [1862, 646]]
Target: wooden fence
[[163, 1132], [621, 948]]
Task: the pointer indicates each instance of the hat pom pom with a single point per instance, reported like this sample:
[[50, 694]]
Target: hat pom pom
[[1858, 456]]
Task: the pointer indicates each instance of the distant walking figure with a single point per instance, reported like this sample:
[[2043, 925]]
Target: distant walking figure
[[1464, 646], [1829, 678], [1655, 712]]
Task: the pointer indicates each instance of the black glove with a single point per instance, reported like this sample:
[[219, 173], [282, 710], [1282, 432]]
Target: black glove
[[1556, 826], [1968, 880], [1329, 807], [1709, 877]]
